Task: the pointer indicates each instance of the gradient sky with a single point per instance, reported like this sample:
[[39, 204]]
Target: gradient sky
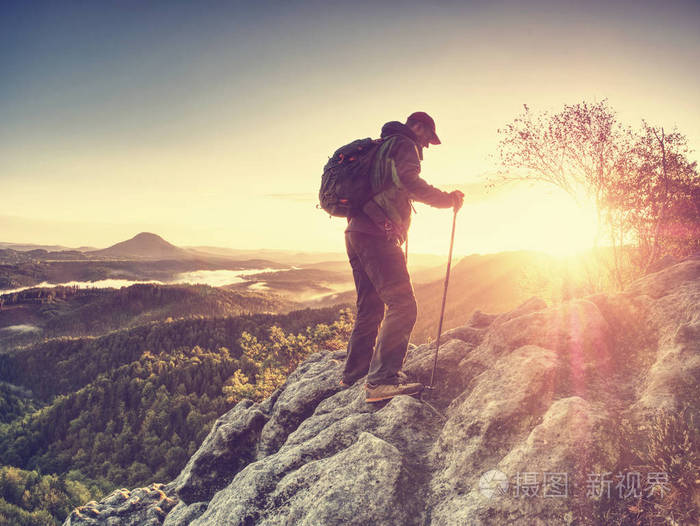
[[209, 122]]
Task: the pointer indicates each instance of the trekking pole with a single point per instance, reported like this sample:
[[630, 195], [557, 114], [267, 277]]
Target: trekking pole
[[444, 299]]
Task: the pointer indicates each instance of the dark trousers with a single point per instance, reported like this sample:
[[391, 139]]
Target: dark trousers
[[381, 279]]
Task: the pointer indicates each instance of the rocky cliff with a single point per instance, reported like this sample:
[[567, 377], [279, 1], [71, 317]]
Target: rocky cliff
[[533, 408]]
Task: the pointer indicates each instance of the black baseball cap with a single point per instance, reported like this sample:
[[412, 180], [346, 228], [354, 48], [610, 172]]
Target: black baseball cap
[[424, 118]]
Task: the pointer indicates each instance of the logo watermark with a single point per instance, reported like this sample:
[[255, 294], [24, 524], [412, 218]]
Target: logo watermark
[[493, 483]]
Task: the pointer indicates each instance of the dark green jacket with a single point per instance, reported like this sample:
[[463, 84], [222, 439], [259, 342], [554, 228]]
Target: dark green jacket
[[396, 179]]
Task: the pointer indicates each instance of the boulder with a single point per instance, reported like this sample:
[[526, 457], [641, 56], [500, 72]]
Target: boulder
[[404, 423], [485, 423], [547, 472], [139, 507], [362, 484], [313, 381], [229, 446]]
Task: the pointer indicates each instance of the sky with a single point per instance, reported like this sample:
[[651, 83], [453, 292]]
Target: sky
[[209, 123]]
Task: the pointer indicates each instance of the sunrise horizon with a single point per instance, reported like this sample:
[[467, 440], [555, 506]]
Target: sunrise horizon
[[339, 253], [210, 125]]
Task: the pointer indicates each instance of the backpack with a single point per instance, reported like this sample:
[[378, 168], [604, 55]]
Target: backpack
[[345, 183]]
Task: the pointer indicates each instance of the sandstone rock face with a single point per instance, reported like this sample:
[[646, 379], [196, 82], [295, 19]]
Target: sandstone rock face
[[250, 431], [313, 381], [528, 404], [183, 514], [230, 445]]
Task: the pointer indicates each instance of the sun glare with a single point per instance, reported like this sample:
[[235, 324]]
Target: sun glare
[[515, 217], [559, 226]]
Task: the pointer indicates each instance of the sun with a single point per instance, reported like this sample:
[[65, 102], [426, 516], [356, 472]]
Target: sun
[[559, 225]]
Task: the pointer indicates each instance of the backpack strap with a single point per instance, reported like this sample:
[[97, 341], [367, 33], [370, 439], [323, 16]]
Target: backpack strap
[[384, 166]]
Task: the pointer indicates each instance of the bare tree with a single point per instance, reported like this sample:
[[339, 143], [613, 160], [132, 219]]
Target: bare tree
[[659, 188], [645, 190], [576, 149]]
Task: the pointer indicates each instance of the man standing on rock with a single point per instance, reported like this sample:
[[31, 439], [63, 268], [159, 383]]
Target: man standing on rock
[[373, 240]]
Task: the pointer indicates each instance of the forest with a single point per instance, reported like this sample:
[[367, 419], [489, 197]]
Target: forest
[[130, 407]]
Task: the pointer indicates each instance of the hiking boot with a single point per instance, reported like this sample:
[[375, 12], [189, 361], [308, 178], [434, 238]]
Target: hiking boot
[[377, 393], [345, 383]]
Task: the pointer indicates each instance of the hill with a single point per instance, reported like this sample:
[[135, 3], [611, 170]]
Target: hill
[[535, 410], [36, 314], [144, 245], [491, 283], [63, 365]]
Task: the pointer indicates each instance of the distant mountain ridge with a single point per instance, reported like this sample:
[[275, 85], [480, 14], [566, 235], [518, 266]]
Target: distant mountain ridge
[[25, 247], [337, 260]]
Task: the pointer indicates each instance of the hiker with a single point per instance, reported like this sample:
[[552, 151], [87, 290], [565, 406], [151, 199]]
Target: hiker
[[373, 239]]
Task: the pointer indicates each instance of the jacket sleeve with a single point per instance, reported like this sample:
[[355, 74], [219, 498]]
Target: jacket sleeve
[[407, 164]]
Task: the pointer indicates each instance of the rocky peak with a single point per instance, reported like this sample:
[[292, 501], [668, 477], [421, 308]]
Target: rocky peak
[[541, 391]]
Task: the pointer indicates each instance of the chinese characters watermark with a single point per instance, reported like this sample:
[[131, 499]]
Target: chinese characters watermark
[[532, 484]]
